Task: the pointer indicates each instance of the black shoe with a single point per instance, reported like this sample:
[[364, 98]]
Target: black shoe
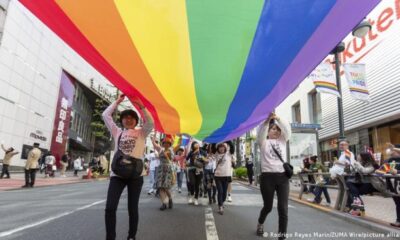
[[26, 186], [214, 200], [163, 207], [260, 230], [170, 204]]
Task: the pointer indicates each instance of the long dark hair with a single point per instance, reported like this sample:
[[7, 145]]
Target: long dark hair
[[368, 160]]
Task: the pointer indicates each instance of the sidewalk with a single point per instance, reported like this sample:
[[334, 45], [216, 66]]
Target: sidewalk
[[18, 179], [379, 210]]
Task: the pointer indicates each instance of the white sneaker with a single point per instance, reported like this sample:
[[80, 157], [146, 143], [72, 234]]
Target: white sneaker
[[179, 190], [190, 200], [196, 203], [229, 199]]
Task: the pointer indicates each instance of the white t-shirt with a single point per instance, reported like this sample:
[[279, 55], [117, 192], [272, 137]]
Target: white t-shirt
[[154, 161], [270, 161], [133, 141]]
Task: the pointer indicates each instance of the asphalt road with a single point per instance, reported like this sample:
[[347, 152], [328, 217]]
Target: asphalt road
[[76, 211]]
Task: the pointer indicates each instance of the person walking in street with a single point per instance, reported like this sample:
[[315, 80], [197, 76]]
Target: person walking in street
[[196, 160], [224, 161], [64, 163], [77, 166], [32, 165], [165, 174], [272, 138], [9, 153], [130, 143], [180, 162], [250, 170], [209, 177], [153, 159]]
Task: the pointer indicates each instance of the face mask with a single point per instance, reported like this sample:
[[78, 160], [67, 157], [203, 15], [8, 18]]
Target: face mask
[[388, 151]]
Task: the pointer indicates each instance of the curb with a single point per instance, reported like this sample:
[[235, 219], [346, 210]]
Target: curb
[[66, 183], [368, 223]]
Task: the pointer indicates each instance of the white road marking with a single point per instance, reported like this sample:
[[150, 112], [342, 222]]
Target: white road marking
[[22, 228], [211, 229]]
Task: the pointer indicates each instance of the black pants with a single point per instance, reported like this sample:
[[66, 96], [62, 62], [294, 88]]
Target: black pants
[[30, 176], [4, 171], [222, 188], [250, 173], [318, 193], [358, 189], [397, 202], [195, 180], [269, 184], [115, 190], [209, 184]]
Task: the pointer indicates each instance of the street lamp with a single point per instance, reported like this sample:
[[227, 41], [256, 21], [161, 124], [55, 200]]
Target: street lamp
[[359, 31]]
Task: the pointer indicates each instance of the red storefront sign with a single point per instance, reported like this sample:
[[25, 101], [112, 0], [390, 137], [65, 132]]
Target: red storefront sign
[[63, 116]]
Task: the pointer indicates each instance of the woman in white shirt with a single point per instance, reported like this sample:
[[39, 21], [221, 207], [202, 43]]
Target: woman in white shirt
[[131, 142], [272, 138], [224, 161]]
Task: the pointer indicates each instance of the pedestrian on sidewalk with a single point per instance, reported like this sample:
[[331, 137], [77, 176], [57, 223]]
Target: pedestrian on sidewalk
[[272, 138], [360, 184], [180, 162], [50, 161], [32, 165], [9, 153], [165, 174], [317, 167], [196, 160], [394, 152], [250, 169], [103, 164], [77, 166], [130, 143], [224, 161], [345, 160], [64, 163]]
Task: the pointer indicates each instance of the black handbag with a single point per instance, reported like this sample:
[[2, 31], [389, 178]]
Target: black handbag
[[126, 166], [288, 168]]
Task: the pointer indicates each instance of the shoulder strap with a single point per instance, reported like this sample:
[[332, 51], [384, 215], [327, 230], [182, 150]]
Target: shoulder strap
[[277, 153], [119, 138]]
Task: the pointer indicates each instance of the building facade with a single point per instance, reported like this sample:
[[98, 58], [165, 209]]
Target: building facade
[[367, 125], [34, 63]]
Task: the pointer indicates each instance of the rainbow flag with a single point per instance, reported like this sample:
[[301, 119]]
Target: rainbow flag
[[385, 168], [213, 69], [324, 79]]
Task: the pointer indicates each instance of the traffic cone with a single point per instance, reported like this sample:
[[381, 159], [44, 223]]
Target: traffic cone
[[89, 174]]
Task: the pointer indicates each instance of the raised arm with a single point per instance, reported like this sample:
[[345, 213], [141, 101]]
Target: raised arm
[[4, 149], [148, 122], [286, 131], [178, 145], [108, 119], [156, 146], [262, 133]]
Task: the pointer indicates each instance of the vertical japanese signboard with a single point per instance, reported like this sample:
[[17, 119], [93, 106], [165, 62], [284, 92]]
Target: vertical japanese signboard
[[63, 116]]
